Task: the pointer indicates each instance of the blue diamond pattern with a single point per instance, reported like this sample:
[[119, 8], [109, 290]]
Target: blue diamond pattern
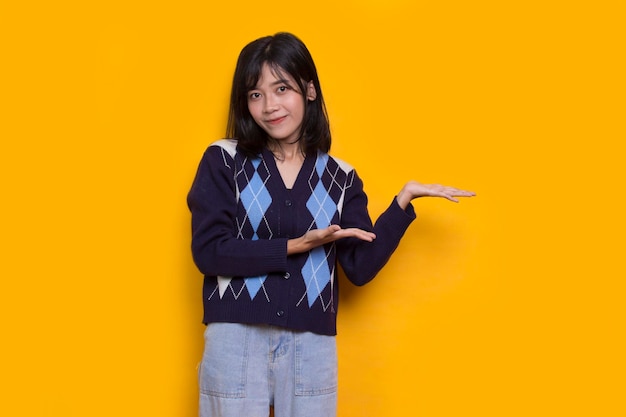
[[254, 284], [321, 206], [320, 203], [320, 164], [316, 273], [256, 200]]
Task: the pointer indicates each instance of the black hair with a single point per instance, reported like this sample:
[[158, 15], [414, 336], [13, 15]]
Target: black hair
[[283, 53]]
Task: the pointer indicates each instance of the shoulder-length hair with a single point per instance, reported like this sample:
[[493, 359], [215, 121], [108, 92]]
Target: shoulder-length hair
[[283, 53]]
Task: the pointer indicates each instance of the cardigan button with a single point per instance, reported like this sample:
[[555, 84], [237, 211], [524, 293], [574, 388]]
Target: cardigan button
[[280, 313], [288, 203], [287, 275]]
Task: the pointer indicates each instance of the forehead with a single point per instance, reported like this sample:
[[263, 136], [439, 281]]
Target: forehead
[[273, 74]]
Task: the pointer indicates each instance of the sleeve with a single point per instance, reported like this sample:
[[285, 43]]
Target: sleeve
[[215, 247], [361, 260]]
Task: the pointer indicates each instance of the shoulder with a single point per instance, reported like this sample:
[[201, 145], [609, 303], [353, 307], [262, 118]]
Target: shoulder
[[228, 145], [219, 155], [343, 165]]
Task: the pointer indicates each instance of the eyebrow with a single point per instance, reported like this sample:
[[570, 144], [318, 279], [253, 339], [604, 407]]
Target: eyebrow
[[277, 82]]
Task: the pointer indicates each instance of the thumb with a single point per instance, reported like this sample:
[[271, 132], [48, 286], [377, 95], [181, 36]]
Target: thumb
[[334, 228]]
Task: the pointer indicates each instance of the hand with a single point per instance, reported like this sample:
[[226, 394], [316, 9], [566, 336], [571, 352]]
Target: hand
[[319, 237], [413, 189]]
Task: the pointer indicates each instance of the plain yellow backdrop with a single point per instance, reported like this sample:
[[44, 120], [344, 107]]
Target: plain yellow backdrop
[[508, 304]]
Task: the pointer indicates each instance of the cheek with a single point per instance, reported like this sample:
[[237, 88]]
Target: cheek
[[296, 104], [254, 111]]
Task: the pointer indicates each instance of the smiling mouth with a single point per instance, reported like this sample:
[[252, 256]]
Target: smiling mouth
[[276, 121]]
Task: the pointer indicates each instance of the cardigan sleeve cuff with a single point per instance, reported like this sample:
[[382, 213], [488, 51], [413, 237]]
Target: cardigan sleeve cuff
[[275, 255], [409, 211], [407, 214], [396, 219]]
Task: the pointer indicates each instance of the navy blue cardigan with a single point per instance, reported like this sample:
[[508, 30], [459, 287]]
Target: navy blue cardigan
[[242, 217]]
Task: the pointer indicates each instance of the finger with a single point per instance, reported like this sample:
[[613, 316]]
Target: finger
[[367, 235], [358, 233], [458, 192], [333, 228], [464, 193], [451, 198]]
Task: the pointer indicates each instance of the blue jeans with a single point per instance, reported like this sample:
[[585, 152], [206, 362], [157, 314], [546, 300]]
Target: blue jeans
[[246, 369]]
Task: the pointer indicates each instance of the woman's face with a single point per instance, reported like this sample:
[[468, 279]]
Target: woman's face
[[277, 105]]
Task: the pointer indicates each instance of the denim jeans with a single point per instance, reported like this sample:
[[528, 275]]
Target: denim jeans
[[246, 369]]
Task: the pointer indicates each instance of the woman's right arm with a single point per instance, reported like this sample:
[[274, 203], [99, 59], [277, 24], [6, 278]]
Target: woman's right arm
[[213, 204]]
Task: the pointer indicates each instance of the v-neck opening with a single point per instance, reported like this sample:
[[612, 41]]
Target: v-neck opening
[[308, 160]]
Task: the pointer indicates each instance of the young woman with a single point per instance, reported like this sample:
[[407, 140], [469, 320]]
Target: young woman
[[272, 215]]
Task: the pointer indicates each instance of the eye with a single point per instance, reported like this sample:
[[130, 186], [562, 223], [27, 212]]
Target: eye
[[254, 95], [283, 88]]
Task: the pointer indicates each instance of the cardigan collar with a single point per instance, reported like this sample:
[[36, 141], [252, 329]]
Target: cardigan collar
[[302, 177]]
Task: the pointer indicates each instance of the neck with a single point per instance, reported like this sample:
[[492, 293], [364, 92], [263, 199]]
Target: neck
[[286, 152]]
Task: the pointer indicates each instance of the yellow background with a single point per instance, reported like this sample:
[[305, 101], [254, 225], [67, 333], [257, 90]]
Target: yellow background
[[509, 304]]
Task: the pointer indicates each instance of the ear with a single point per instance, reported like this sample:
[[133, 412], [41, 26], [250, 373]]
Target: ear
[[311, 92]]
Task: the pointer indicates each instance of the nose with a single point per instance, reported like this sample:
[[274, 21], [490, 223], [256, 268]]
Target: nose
[[270, 104]]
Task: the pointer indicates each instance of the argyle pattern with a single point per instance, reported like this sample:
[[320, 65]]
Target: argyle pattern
[[327, 183], [255, 198], [242, 216]]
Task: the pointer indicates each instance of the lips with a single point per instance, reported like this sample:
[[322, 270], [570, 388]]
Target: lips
[[276, 121]]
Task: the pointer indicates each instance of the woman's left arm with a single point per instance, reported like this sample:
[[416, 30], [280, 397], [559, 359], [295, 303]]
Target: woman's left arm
[[362, 260]]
